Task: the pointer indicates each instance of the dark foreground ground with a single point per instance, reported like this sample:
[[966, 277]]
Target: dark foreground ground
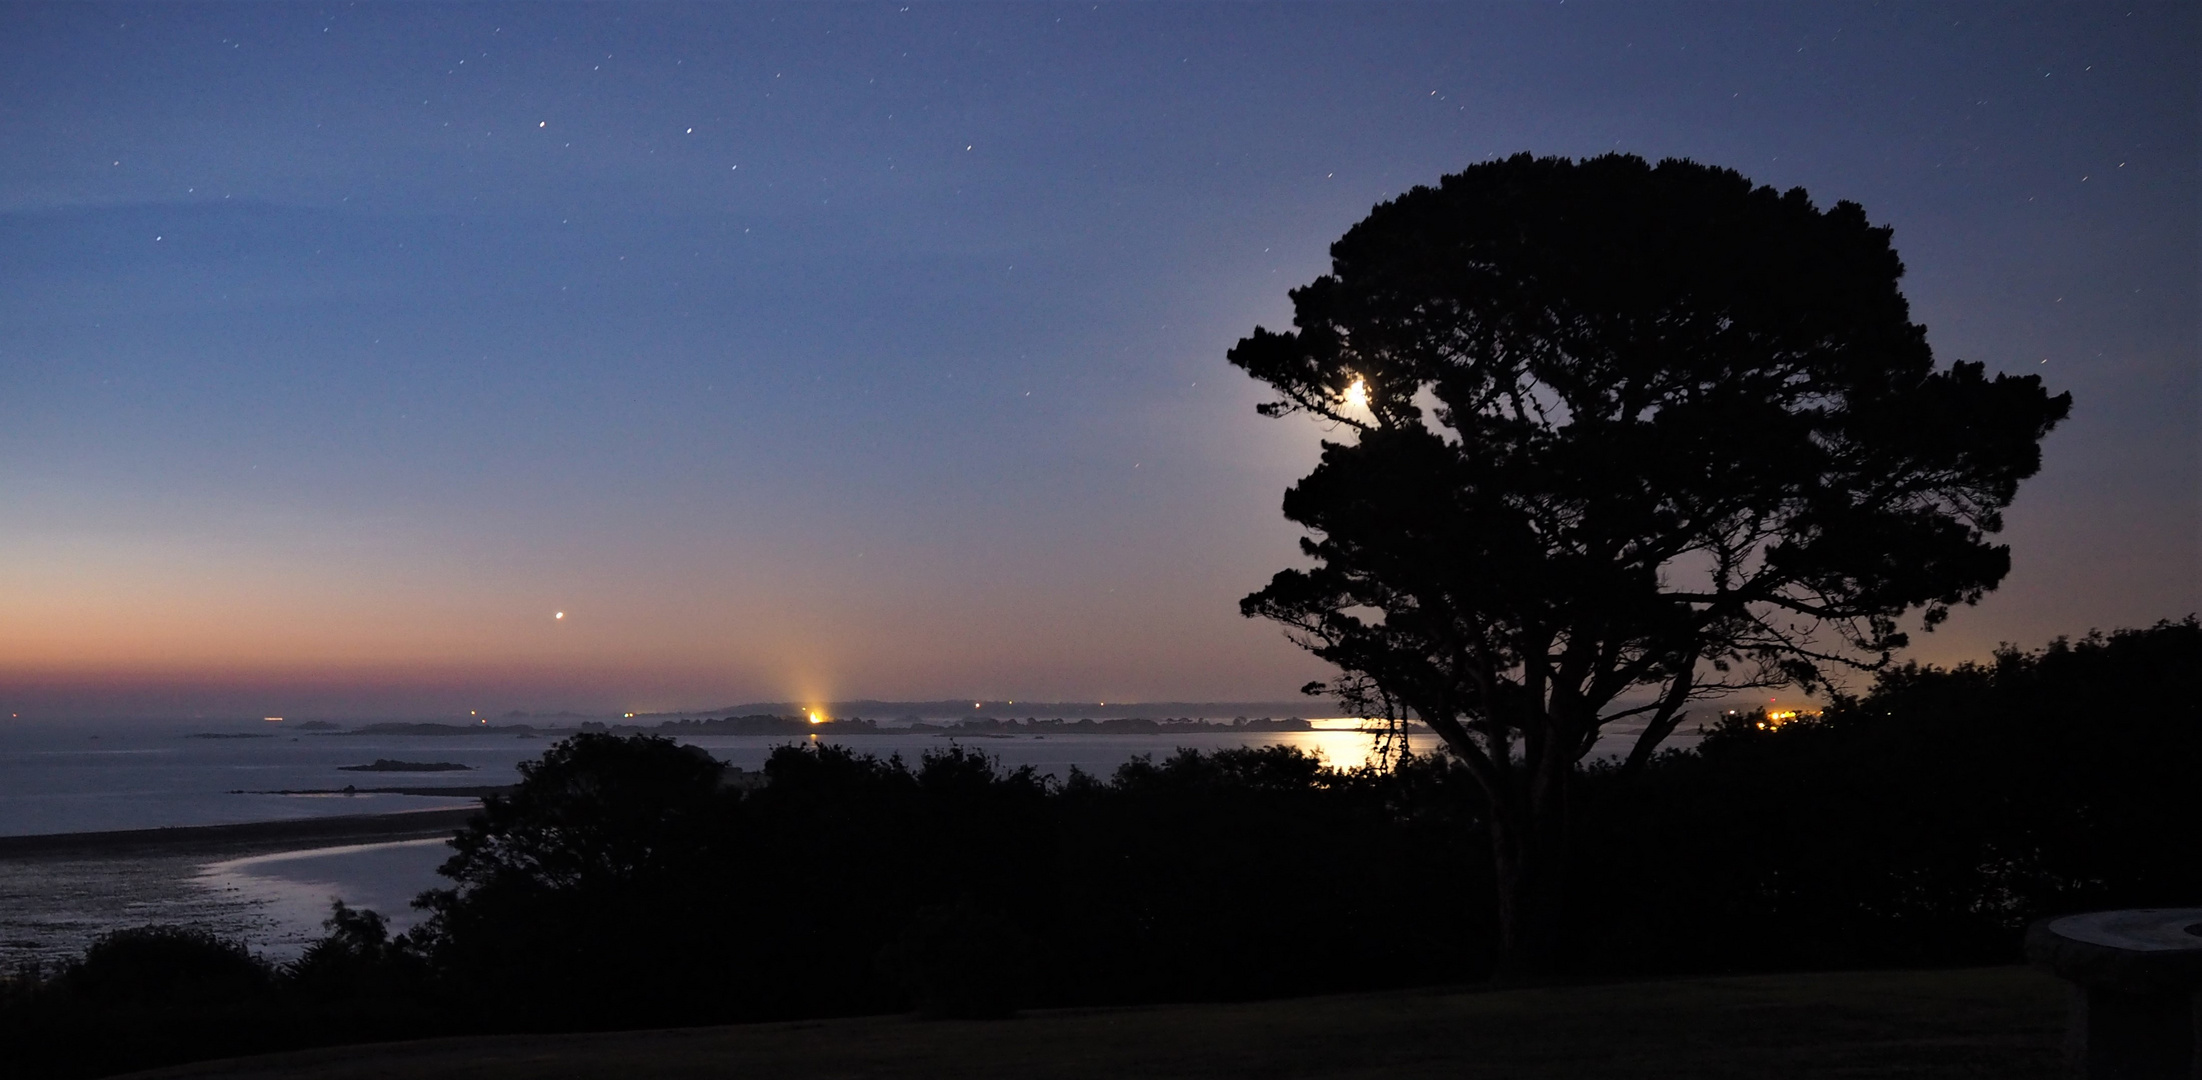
[[1982, 1022]]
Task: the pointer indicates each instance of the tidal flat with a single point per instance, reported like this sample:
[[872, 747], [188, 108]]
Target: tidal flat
[[268, 883]]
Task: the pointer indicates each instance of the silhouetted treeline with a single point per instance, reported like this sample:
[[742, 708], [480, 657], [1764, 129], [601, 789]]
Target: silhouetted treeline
[[1925, 823], [161, 995], [622, 882], [627, 880]]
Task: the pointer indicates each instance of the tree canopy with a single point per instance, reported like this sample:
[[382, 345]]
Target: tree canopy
[[1619, 437]]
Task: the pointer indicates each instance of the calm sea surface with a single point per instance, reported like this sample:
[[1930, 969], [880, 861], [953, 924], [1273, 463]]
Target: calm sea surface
[[58, 778]]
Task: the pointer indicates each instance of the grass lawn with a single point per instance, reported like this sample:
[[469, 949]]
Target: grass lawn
[[1982, 1022]]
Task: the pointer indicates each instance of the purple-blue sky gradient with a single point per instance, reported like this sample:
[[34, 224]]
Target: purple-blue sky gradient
[[831, 351]]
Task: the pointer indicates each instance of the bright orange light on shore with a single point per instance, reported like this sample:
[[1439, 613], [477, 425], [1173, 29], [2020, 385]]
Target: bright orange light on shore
[[816, 718]]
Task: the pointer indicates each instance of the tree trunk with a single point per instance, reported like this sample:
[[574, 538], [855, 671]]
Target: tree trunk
[[1529, 848]]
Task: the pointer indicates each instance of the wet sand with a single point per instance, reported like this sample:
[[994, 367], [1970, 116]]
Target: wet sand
[[251, 838]]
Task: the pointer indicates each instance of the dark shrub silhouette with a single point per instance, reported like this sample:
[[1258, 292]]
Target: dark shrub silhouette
[[166, 965], [356, 960], [1925, 823], [960, 962], [143, 997], [593, 893], [1255, 872]]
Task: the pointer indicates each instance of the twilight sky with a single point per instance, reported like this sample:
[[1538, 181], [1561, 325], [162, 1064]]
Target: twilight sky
[[877, 350]]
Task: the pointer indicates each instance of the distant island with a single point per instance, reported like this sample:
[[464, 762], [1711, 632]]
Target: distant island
[[963, 716], [392, 765]]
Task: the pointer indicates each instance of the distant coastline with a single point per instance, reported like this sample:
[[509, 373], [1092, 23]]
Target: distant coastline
[[962, 708], [769, 724], [799, 724]]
